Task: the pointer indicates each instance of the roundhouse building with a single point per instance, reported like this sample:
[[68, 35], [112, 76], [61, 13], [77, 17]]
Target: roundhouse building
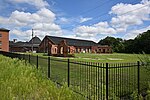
[[61, 46]]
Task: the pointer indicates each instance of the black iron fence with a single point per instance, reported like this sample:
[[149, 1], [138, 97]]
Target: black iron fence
[[98, 81]]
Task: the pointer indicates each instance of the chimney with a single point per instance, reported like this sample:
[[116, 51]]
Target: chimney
[[14, 40]]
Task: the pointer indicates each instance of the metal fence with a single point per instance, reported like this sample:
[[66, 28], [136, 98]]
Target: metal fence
[[98, 81]]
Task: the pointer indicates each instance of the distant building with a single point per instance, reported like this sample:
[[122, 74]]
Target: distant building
[[63, 46], [25, 46], [4, 39]]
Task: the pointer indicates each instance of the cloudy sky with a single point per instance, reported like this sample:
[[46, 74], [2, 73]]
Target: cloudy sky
[[84, 19]]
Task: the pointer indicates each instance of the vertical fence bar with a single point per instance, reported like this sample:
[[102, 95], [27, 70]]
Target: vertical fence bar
[[29, 58], [106, 81], [68, 72], [37, 62], [138, 63], [49, 67]]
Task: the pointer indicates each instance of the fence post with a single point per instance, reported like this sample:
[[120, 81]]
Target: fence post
[[29, 58], [138, 63], [68, 72], [106, 81], [49, 67], [37, 62]]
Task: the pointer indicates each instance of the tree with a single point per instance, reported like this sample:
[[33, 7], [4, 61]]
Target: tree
[[116, 43], [142, 42], [138, 45]]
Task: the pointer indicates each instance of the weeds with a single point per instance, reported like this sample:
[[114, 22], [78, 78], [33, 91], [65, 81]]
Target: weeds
[[21, 81]]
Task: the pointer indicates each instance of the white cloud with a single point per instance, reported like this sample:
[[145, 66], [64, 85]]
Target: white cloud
[[132, 34], [91, 31], [4, 20], [120, 22], [129, 15], [84, 19], [63, 20], [36, 3], [42, 21]]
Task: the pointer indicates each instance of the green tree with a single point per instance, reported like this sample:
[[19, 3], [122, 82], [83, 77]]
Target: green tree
[[116, 43]]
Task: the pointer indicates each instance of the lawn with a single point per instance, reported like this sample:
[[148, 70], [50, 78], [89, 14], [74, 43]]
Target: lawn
[[91, 81], [21, 81], [115, 57], [102, 58]]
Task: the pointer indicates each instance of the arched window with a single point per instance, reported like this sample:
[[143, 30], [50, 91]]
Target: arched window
[[68, 49], [61, 50], [55, 50]]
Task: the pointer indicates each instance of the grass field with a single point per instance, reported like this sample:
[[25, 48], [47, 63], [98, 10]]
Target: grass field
[[103, 58], [21, 81], [116, 57], [85, 79], [91, 81]]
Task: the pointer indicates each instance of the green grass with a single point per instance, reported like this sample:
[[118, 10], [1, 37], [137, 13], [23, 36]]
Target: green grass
[[84, 79], [103, 58], [115, 57], [21, 81]]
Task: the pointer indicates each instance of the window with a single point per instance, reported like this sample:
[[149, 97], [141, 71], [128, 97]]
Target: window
[[55, 50], [0, 35], [0, 42], [0, 49]]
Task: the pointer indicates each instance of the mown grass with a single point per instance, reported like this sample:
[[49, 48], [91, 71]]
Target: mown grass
[[102, 58], [21, 81], [115, 57]]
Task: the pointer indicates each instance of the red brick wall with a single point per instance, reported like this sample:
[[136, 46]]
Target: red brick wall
[[4, 40], [104, 49], [72, 49]]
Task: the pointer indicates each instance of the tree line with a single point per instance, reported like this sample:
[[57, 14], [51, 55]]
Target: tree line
[[139, 44]]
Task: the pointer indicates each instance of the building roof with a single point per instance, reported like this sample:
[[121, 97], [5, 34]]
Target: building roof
[[4, 29], [72, 42], [36, 40]]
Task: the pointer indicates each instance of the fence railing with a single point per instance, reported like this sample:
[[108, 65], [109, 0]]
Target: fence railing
[[98, 81]]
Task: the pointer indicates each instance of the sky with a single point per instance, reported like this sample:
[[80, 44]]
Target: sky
[[80, 19]]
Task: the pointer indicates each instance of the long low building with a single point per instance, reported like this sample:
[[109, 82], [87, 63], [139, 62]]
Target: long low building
[[25, 46], [61, 46]]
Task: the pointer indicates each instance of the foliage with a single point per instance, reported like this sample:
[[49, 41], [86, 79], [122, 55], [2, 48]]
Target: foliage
[[116, 43], [20, 81], [138, 45], [145, 59], [135, 96]]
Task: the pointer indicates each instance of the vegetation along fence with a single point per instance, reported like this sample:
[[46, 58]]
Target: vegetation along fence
[[98, 81]]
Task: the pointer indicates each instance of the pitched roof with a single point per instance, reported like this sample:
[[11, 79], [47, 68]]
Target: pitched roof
[[71, 42], [36, 40], [4, 29]]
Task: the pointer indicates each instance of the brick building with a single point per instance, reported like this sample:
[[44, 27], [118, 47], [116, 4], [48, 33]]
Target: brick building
[[4, 39], [63, 46], [25, 46]]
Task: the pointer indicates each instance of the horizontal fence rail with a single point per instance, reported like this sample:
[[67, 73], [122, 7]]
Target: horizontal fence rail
[[93, 80]]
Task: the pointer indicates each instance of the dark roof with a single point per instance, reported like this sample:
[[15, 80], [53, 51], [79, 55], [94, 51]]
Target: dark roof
[[22, 44], [36, 40], [72, 42], [19, 44], [3, 29]]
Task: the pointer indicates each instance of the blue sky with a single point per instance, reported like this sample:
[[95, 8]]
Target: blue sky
[[83, 19]]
